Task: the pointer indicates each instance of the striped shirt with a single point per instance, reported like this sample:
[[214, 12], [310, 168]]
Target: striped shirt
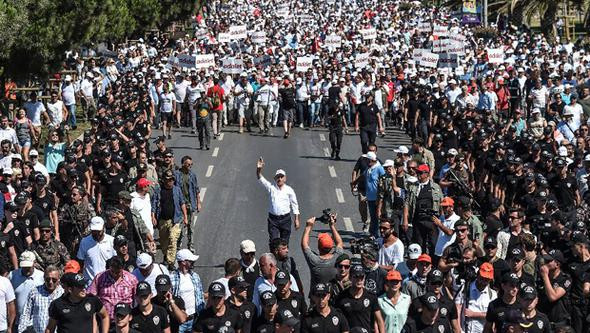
[[36, 310], [111, 292]]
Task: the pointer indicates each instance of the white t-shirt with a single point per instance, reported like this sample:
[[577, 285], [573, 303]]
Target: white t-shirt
[[95, 255], [392, 255], [445, 240], [9, 134], [144, 207], [87, 88], [55, 112], [6, 296], [34, 111], [151, 279], [68, 94], [180, 90], [186, 291], [166, 101]]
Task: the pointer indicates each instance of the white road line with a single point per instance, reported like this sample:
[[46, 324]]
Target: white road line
[[215, 151], [202, 193], [209, 171], [332, 171], [220, 138], [348, 224], [339, 195], [326, 151], [322, 137]]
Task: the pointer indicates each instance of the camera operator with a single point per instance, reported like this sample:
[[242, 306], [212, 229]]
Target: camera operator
[[453, 254], [374, 274], [446, 227], [415, 286], [473, 299], [391, 248], [509, 237], [321, 266], [421, 201]]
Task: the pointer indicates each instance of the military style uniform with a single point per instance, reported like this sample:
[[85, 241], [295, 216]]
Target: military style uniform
[[51, 253], [74, 224], [385, 193]]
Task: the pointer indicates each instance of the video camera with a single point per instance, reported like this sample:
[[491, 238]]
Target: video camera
[[325, 218], [364, 245]]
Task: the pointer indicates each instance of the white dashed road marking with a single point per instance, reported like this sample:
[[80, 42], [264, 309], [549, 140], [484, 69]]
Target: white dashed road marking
[[322, 137], [332, 171], [202, 193], [348, 224], [209, 171], [220, 138], [215, 151], [339, 195], [326, 151]]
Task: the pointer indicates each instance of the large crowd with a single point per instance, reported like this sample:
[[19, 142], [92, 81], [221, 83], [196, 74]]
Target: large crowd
[[481, 225]]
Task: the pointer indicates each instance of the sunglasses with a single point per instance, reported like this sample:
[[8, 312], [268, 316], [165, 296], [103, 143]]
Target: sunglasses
[[51, 280], [462, 230], [344, 266]]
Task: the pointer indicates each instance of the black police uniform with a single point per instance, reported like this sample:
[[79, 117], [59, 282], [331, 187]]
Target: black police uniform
[[155, 322], [360, 312], [335, 127], [375, 281], [416, 325], [580, 273], [368, 124], [557, 311], [209, 322], [334, 322], [74, 317], [247, 310], [540, 324], [294, 303], [174, 324], [497, 310]]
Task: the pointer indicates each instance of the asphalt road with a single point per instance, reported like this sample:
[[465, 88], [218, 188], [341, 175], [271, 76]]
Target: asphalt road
[[235, 205]]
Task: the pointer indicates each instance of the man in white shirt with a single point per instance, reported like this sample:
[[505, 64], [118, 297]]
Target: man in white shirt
[[167, 109], [7, 133], [268, 270], [38, 166], [68, 96], [283, 202], [445, 225], [453, 91], [56, 110], [539, 96], [391, 251], [35, 109], [25, 279], [142, 203], [95, 249], [186, 284], [87, 95], [472, 305], [147, 270], [180, 92], [576, 109], [7, 304]]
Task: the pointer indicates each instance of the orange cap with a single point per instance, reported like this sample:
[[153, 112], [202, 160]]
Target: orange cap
[[393, 275], [325, 241], [72, 266], [486, 270], [447, 201], [425, 258]]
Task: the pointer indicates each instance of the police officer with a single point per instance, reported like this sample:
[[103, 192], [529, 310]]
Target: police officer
[[265, 322], [323, 318], [73, 219], [580, 272], [123, 319], [556, 286], [147, 316], [288, 299], [358, 305], [217, 315], [498, 308], [429, 318], [336, 122], [528, 303], [48, 250], [238, 301], [174, 305]]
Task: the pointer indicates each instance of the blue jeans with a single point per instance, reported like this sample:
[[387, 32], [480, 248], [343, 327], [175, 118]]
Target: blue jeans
[[374, 226], [186, 327], [301, 110], [314, 113], [72, 114]]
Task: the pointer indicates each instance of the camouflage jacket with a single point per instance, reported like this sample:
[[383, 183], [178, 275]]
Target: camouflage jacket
[[76, 215], [385, 192], [52, 253]]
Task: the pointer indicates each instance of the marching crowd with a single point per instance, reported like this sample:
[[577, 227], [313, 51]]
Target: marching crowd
[[479, 226]]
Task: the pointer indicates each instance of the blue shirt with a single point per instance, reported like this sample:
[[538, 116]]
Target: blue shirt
[[54, 153], [372, 178]]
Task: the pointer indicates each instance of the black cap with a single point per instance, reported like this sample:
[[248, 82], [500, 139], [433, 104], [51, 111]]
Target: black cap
[[168, 174], [435, 276], [286, 317], [11, 206], [143, 289], [237, 282], [516, 253], [216, 289], [159, 139], [461, 223], [320, 289], [125, 195], [120, 240], [490, 242], [528, 293], [21, 199], [430, 301], [554, 255], [515, 316], [511, 278], [163, 283], [45, 224], [357, 271], [122, 309], [268, 298], [579, 237], [341, 258], [282, 278], [168, 152], [142, 166], [77, 280], [40, 179]]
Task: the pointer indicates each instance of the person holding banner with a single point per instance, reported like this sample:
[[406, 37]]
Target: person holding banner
[[367, 121]]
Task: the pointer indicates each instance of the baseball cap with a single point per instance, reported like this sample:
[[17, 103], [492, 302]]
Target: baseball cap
[[286, 317], [163, 283], [186, 254], [430, 301], [554, 254], [45, 224], [282, 278], [143, 182], [268, 298], [393, 275], [388, 163], [96, 223], [423, 168], [238, 282], [78, 280], [447, 201], [247, 246], [515, 316], [142, 167], [143, 260], [511, 278], [516, 253], [320, 289], [325, 241], [72, 266], [490, 242], [370, 156], [357, 270], [216, 289], [33, 152], [414, 251], [125, 195], [120, 240], [425, 258], [452, 152], [122, 309], [528, 293], [143, 289], [486, 270], [280, 172], [402, 150], [26, 259], [341, 258], [435, 276]]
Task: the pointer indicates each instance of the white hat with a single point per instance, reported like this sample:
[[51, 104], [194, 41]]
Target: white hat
[[387, 163], [568, 112], [247, 246], [536, 110], [567, 86], [402, 150], [16, 157], [7, 171], [562, 151], [587, 158], [33, 152], [453, 152], [414, 251], [371, 156], [280, 172], [452, 81], [96, 223], [68, 78], [143, 260], [186, 254], [27, 259], [520, 70]]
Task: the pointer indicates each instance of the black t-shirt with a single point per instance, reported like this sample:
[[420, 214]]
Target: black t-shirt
[[166, 204], [580, 272], [334, 94], [541, 324], [174, 324], [262, 325], [112, 185], [45, 203], [18, 235], [556, 311], [30, 220], [416, 325], [375, 281], [334, 322], [362, 164], [247, 310], [155, 322], [360, 312], [74, 317], [129, 265], [5, 244], [565, 191], [367, 116], [209, 322], [295, 303], [497, 310]]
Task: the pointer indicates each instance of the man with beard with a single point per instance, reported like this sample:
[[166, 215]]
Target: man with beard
[[95, 249]]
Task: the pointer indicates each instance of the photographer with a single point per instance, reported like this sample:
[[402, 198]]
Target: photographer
[[453, 254], [473, 299], [391, 248], [322, 265], [375, 275]]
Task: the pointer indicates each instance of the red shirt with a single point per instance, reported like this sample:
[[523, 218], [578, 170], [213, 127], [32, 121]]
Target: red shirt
[[216, 89]]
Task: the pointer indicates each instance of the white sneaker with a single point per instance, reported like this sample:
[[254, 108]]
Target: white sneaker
[[301, 125]]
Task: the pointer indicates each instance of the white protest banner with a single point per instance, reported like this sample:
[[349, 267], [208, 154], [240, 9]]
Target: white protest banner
[[259, 37], [456, 47], [460, 70], [223, 37], [304, 63], [436, 46], [369, 33], [417, 55], [429, 59], [361, 60], [495, 56], [457, 37], [446, 60], [305, 18], [424, 27], [333, 41], [440, 30], [185, 60], [204, 61], [238, 32], [233, 66]]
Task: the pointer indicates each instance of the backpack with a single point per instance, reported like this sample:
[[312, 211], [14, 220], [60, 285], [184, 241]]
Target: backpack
[[215, 100]]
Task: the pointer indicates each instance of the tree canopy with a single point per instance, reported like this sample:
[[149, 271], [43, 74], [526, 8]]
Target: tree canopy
[[37, 33]]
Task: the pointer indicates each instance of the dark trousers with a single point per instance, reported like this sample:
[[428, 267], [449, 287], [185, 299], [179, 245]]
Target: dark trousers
[[374, 226], [425, 234], [336, 140], [204, 130], [579, 322], [279, 227], [368, 136]]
